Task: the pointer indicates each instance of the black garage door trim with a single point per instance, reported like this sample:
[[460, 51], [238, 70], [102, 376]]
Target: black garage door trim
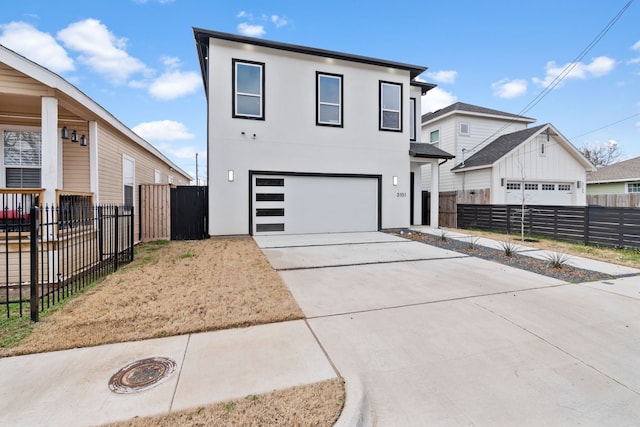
[[312, 174]]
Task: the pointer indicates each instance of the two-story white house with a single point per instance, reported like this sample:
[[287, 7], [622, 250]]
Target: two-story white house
[[305, 140], [500, 156]]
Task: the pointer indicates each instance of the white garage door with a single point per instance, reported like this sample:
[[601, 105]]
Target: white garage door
[[537, 193], [313, 204]]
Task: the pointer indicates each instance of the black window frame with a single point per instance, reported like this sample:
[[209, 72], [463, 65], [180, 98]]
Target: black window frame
[[320, 74], [234, 91], [381, 110]]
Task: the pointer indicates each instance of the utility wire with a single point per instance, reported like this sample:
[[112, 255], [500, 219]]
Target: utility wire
[[560, 77], [605, 126]]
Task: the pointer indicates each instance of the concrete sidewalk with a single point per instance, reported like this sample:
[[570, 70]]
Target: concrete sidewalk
[[574, 261], [70, 388]]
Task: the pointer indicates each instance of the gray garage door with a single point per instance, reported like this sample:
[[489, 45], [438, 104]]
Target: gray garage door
[[294, 204]]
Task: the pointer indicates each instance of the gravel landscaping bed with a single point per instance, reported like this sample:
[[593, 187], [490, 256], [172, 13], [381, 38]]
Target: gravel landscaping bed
[[566, 273]]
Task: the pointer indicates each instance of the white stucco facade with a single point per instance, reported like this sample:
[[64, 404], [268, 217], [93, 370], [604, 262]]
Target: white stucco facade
[[288, 144]]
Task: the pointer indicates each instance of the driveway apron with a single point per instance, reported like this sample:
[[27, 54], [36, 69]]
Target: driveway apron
[[440, 338]]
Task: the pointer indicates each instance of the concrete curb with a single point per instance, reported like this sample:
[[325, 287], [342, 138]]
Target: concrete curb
[[357, 411]]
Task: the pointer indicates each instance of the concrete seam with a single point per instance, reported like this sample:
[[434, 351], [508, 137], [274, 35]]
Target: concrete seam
[[184, 356], [320, 245], [371, 310], [326, 354], [370, 263]]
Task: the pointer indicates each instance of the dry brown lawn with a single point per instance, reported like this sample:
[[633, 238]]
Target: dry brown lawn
[[171, 288], [313, 405], [175, 288]]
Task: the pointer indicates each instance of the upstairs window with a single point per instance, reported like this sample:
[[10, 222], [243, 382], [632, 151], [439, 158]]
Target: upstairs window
[[434, 137], [391, 106], [329, 99], [463, 129], [22, 159], [412, 119], [248, 89]]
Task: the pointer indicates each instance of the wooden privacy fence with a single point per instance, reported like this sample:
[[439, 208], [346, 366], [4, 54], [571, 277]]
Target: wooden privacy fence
[[155, 212], [613, 227], [629, 200]]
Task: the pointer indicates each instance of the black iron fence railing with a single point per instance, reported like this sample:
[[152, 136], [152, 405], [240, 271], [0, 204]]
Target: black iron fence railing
[[51, 253], [591, 225]]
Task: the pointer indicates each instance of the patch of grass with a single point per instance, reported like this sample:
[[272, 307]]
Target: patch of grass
[[188, 254], [509, 248], [557, 259], [253, 398], [230, 406]]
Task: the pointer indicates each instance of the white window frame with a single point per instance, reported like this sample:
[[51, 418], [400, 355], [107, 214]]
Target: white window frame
[[633, 184], [513, 186], [170, 179], [4, 166], [157, 177], [436, 143], [384, 109], [461, 132], [236, 94], [125, 182], [320, 102], [412, 119]]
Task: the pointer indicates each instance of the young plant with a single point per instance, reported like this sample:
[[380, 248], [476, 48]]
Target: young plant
[[444, 236], [473, 243], [509, 248], [557, 259]]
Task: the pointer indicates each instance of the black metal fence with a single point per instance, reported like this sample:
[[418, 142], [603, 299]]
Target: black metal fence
[[51, 253], [591, 225]]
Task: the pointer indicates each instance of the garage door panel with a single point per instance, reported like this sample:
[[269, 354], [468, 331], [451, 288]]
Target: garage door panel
[[314, 204]]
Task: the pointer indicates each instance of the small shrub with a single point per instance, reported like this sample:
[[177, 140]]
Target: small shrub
[[557, 260], [473, 243], [444, 236], [509, 248]]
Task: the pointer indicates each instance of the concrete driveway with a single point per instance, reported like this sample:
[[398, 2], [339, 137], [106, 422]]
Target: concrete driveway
[[439, 338]]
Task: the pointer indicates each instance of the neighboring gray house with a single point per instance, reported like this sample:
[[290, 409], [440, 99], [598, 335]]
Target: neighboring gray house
[[497, 153], [618, 178]]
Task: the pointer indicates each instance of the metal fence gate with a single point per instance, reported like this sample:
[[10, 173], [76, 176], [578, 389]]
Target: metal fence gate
[[189, 213]]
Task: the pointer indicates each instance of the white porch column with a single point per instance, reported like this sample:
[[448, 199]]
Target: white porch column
[[93, 160], [51, 172], [435, 193]]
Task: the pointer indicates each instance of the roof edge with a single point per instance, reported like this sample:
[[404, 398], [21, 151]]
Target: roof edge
[[200, 34]]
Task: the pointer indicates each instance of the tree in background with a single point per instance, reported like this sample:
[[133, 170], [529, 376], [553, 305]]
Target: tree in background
[[601, 154]]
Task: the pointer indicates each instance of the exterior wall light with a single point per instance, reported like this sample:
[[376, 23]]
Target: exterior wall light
[[395, 180], [230, 175]]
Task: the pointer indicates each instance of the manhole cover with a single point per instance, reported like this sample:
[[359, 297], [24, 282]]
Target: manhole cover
[[142, 375]]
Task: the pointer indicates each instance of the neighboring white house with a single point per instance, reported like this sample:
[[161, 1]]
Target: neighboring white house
[[304, 140], [618, 178], [498, 153]]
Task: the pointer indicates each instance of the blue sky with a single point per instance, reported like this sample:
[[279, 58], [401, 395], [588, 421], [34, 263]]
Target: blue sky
[[137, 58]]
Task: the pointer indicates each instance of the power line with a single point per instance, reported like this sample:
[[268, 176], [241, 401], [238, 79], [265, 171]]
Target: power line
[[560, 77], [606, 126]]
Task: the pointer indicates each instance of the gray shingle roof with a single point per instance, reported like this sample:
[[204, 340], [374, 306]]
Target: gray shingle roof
[[625, 170], [498, 148], [429, 151], [474, 109]]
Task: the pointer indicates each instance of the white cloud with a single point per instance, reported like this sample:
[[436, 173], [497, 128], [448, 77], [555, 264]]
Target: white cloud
[[101, 50], [243, 14], [598, 67], [443, 76], [279, 21], [251, 30], [163, 130], [174, 84], [40, 47], [636, 46], [436, 99], [506, 88]]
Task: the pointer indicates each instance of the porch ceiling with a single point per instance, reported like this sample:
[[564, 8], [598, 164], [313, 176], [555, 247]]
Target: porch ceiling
[[19, 109]]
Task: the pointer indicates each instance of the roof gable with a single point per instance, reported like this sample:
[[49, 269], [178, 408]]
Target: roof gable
[[627, 170], [474, 110], [498, 148]]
